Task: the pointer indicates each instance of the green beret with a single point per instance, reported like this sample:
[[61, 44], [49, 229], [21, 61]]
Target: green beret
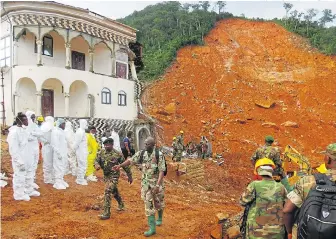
[[108, 141], [269, 138]]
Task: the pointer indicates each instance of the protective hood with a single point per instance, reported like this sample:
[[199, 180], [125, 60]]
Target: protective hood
[[68, 126], [48, 124], [29, 114], [83, 124], [59, 122]]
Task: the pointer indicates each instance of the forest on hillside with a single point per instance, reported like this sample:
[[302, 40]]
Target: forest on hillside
[[166, 27]]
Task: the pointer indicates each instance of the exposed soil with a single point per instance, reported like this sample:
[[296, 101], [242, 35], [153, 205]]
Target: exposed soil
[[210, 90]]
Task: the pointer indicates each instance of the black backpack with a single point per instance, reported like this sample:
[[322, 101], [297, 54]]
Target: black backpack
[[157, 155], [317, 216]]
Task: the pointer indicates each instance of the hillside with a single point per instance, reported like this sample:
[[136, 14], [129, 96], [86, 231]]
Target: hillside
[[211, 90]]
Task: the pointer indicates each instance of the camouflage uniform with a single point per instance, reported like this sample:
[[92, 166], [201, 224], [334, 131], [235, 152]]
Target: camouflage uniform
[[106, 160], [179, 146], [273, 153], [265, 215], [150, 174], [301, 190], [174, 145]]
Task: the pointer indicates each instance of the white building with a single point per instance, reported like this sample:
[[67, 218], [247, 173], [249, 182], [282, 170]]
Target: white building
[[67, 62]]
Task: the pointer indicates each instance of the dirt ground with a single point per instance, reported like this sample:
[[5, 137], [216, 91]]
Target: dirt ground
[[190, 209]]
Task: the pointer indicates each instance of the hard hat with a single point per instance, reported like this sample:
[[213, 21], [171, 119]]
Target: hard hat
[[263, 162], [174, 138], [40, 118], [322, 168], [181, 132], [269, 138]]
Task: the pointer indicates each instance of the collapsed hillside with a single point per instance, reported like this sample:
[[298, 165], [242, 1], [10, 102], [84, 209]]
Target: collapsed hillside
[[212, 90]]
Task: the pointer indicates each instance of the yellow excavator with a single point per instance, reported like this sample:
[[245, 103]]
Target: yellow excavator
[[295, 165]]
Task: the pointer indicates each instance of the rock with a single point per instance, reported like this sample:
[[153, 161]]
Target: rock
[[216, 233], [290, 124], [266, 104], [204, 122], [162, 112], [222, 216], [233, 232], [170, 108], [241, 121], [270, 125], [183, 93]]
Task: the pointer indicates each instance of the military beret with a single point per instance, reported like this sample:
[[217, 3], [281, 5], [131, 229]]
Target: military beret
[[269, 138], [108, 141]]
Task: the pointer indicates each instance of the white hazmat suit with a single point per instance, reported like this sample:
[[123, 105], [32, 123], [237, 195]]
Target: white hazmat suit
[[35, 134], [23, 176], [60, 155], [47, 150], [81, 149], [116, 140], [70, 137]]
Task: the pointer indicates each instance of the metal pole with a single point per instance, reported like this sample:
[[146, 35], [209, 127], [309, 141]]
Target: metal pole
[[3, 100]]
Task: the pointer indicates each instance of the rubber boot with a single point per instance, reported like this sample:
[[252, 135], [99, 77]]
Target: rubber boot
[[121, 206], [106, 214], [288, 187], [152, 226], [159, 220]]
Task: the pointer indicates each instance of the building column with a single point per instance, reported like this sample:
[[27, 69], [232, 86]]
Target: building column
[[67, 99], [114, 66], [133, 70], [67, 55], [15, 52], [39, 52], [38, 102], [88, 106], [16, 103], [91, 51]]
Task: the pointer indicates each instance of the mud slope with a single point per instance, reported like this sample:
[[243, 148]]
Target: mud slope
[[211, 90]]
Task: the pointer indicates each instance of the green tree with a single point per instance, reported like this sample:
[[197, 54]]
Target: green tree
[[288, 7], [221, 5], [327, 17], [204, 5]]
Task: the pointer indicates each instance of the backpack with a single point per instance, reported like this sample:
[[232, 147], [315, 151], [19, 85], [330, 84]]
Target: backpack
[[317, 216], [157, 155]]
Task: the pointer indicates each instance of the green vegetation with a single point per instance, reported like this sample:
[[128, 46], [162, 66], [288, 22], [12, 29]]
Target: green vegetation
[[166, 27]]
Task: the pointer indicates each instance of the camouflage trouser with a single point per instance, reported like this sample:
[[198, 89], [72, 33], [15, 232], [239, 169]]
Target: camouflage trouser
[[111, 188], [152, 201], [179, 155]]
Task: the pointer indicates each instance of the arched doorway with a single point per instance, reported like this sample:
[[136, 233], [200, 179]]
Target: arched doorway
[[52, 100], [142, 136], [79, 102], [25, 95]]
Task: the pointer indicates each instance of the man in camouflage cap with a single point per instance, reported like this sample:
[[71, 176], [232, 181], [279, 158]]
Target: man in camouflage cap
[[302, 188], [106, 159], [265, 199]]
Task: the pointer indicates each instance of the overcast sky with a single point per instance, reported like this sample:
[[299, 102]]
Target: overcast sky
[[261, 9]]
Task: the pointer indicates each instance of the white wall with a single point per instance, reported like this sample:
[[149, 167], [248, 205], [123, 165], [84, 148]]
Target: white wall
[[26, 46], [5, 29], [59, 102], [80, 45], [27, 95], [95, 83], [78, 99], [102, 62]]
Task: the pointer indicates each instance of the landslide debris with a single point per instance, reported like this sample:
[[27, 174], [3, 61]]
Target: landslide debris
[[216, 90]]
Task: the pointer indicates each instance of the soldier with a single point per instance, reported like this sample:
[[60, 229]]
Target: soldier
[[152, 187], [179, 146], [265, 200], [299, 195], [204, 147], [106, 159], [273, 153], [174, 148]]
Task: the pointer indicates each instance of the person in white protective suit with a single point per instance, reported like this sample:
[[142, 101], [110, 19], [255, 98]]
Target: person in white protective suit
[[23, 176], [47, 150], [60, 154], [116, 140], [35, 135], [81, 150], [70, 137]]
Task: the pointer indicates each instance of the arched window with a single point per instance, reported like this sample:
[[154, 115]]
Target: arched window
[[106, 96], [47, 46], [122, 98]]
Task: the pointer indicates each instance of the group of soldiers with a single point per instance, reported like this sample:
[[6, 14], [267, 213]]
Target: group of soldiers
[[203, 150], [278, 210]]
